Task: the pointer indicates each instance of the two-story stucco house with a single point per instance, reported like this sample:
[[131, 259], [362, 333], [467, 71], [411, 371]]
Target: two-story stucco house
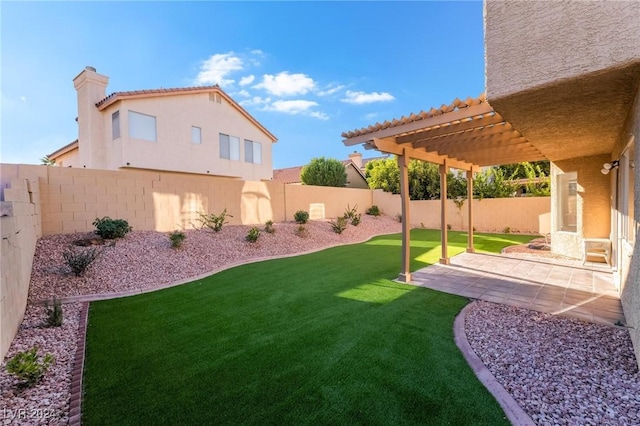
[[192, 130]]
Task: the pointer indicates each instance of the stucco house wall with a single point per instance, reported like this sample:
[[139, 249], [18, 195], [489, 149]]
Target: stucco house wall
[[530, 44]]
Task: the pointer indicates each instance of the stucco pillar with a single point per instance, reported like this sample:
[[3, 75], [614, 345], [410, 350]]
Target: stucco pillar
[[405, 271], [443, 213], [470, 248]]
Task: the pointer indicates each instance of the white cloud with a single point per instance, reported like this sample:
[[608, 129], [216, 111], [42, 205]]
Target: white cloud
[[247, 80], [292, 107], [23, 98], [370, 116], [215, 69], [256, 100], [319, 115], [257, 52], [366, 98], [243, 93], [330, 90], [285, 84]]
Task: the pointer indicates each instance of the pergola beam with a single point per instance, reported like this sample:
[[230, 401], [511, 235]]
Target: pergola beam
[[497, 134], [460, 126], [391, 147], [394, 131]]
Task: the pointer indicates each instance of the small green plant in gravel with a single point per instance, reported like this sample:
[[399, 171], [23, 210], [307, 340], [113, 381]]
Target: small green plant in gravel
[[253, 234], [339, 225], [301, 217], [352, 215], [177, 237], [214, 222], [506, 230], [399, 217], [373, 211], [268, 227], [27, 366], [110, 229], [355, 221], [79, 259], [301, 231], [54, 313]]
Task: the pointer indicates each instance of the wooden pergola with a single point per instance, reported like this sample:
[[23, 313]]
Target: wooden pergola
[[464, 135]]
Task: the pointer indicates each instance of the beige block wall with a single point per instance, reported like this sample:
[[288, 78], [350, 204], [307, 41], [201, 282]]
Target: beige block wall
[[630, 286], [325, 202], [20, 226], [520, 214], [530, 44], [593, 204]]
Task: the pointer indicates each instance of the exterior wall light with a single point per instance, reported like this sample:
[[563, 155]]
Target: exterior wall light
[[607, 167]]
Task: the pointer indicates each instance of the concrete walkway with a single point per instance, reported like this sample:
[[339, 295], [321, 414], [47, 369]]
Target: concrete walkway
[[541, 284]]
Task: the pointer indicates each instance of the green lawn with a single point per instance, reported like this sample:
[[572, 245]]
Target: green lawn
[[325, 338]]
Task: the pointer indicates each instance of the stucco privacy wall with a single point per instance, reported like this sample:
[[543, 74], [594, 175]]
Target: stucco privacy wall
[[325, 202], [630, 292], [20, 229], [569, 50], [521, 214], [593, 204]]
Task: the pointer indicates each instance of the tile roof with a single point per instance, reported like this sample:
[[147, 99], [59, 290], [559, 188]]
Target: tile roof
[[63, 150], [288, 175]]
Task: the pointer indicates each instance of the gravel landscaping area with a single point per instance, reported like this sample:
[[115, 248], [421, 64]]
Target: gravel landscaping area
[[560, 370]]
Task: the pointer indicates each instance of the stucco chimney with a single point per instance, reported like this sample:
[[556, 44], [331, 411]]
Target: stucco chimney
[[91, 87], [356, 157]]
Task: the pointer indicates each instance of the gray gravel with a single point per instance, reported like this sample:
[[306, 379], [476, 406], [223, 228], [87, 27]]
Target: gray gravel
[[561, 371]]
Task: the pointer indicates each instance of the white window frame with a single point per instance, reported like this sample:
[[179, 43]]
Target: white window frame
[[196, 135], [567, 202], [229, 147], [252, 152], [115, 125], [142, 126]]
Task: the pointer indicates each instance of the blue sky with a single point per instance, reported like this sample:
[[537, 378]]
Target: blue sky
[[308, 71]]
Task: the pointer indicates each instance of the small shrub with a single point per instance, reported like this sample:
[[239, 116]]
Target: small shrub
[[110, 229], [474, 229], [301, 231], [399, 217], [422, 225], [80, 259], [268, 227], [177, 237], [214, 222], [448, 227], [355, 221], [350, 213], [253, 235], [27, 367], [506, 230], [301, 217], [459, 202], [339, 225], [373, 211], [54, 313]]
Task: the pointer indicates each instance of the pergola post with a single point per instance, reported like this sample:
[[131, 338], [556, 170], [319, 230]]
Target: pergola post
[[470, 248], [443, 212], [403, 165]]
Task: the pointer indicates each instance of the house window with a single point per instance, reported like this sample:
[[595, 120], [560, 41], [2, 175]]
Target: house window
[[252, 152], [115, 125], [567, 202], [196, 135], [142, 126], [229, 147]]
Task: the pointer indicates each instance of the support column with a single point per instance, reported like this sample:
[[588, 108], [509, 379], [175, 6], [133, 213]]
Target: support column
[[403, 165], [470, 248], [443, 213]]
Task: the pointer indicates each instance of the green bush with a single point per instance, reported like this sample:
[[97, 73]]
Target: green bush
[[339, 225], [80, 259], [506, 230], [27, 367], [110, 229], [355, 221], [54, 313], [253, 235], [177, 237], [373, 211], [324, 172], [213, 221], [301, 217], [268, 227]]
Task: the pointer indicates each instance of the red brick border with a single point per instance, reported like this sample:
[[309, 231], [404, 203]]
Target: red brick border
[[75, 404]]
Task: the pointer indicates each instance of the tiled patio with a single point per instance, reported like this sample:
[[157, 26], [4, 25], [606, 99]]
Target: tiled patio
[[542, 284]]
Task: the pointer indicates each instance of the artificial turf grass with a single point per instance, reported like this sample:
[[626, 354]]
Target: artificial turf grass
[[321, 338]]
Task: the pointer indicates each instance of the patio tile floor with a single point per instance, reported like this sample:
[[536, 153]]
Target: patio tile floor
[[561, 287]]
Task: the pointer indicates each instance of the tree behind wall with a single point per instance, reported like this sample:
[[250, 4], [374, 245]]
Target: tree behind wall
[[324, 172]]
